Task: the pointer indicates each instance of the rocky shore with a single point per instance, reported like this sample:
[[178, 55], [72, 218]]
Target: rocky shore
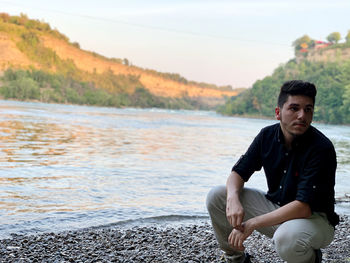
[[191, 243]]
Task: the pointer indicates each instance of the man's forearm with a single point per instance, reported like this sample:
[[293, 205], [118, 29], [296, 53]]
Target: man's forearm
[[234, 209], [292, 210], [234, 185]]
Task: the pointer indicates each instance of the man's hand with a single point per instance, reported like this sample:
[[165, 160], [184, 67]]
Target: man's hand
[[240, 234], [293, 210], [234, 212]]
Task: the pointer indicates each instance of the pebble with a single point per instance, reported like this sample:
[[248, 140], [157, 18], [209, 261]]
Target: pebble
[[191, 243]]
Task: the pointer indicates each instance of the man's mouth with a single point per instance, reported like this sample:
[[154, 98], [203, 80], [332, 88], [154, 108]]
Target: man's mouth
[[300, 124]]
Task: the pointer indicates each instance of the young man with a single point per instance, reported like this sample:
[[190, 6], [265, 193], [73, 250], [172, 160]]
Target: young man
[[299, 164]]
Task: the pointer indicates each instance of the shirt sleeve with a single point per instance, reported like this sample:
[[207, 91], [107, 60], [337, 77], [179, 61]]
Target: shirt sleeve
[[317, 179], [251, 160]]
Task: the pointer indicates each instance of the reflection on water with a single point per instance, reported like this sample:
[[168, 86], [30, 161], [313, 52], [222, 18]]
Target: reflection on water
[[31, 143], [65, 167]]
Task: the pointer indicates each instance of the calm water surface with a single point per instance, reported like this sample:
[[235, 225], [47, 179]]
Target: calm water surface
[[67, 167]]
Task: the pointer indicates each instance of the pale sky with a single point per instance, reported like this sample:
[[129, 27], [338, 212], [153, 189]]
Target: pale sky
[[221, 42]]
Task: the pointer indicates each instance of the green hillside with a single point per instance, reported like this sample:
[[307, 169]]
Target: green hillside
[[331, 76], [31, 69]]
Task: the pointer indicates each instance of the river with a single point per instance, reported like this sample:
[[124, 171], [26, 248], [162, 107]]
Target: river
[[65, 167]]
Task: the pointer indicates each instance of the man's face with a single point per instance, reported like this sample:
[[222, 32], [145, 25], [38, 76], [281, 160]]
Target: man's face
[[295, 116]]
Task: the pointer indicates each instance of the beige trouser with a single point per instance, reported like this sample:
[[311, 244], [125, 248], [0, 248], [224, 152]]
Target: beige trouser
[[294, 240]]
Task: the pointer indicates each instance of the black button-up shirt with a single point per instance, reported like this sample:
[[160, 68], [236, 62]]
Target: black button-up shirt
[[305, 173]]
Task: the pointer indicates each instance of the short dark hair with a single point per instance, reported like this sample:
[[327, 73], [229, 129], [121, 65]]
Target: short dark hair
[[296, 87]]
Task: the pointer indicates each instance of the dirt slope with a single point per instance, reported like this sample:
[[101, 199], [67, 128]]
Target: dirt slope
[[10, 55], [155, 84]]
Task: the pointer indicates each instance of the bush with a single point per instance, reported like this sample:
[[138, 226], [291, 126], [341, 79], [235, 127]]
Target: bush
[[22, 89]]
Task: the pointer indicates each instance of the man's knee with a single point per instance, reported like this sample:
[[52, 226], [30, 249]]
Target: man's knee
[[215, 196], [291, 244]]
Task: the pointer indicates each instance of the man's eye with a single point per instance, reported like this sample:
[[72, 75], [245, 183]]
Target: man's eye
[[308, 110], [293, 108]]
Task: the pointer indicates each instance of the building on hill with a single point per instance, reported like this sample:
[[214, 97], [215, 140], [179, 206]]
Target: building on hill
[[311, 47], [321, 44], [316, 45], [319, 51]]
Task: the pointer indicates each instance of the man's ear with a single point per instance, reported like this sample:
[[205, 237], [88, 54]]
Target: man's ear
[[278, 113]]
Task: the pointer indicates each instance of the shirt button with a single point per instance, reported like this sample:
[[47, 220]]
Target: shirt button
[[286, 154], [314, 186], [285, 171], [279, 203], [280, 186]]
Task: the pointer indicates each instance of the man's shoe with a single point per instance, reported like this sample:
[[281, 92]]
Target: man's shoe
[[246, 258], [318, 256], [230, 259]]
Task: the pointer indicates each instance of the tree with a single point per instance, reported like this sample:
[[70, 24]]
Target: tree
[[347, 38], [345, 108], [126, 62], [334, 37], [302, 42], [76, 44]]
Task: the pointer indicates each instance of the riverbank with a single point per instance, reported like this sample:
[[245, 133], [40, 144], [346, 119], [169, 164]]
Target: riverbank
[[191, 243]]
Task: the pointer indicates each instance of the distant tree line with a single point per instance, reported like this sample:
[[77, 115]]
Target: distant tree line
[[180, 79], [42, 86], [333, 91]]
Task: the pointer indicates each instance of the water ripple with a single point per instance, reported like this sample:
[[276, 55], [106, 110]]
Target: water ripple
[[65, 167]]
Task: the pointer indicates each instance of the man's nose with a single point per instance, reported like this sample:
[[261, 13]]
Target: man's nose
[[301, 114]]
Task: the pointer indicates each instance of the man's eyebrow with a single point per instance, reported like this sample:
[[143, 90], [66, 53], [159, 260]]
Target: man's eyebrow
[[294, 105], [298, 105]]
